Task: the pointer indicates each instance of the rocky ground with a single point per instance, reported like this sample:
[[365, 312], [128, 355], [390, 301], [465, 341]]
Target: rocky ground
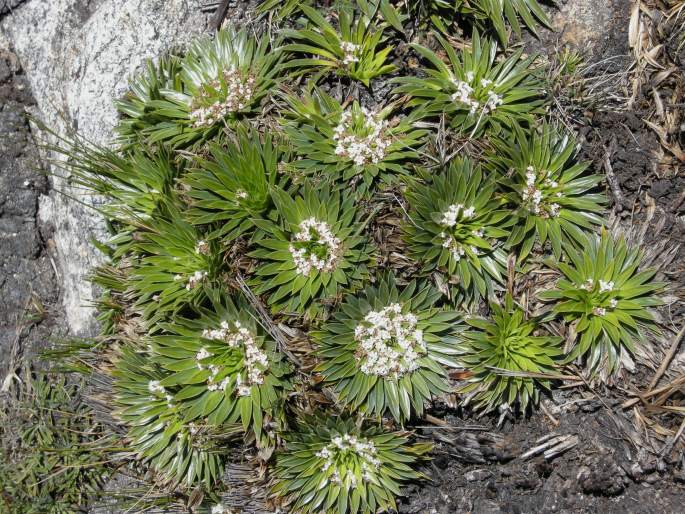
[[606, 451]]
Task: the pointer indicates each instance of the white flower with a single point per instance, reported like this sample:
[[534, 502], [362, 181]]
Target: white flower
[[341, 449], [241, 193], [351, 52], [389, 343], [538, 198], [464, 94], [256, 361], [361, 149], [319, 232], [605, 287], [613, 303], [589, 285], [154, 387], [194, 279], [239, 92], [450, 216], [201, 355], [494, 101], [599, 311]]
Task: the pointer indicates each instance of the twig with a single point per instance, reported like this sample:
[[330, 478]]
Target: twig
[[643, 396], [265, 319], [667, 359], [547, 413], [668, 446], [552, 445]]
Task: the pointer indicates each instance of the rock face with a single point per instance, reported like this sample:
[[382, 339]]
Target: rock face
[[28, 286], [77, 56]]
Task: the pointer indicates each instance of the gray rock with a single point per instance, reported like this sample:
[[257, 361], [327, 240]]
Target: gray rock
[[77, 56]]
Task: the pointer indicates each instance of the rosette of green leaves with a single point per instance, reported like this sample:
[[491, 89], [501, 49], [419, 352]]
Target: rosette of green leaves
[[333, 465], [290, 288], [607, 298], [501, 353], [139, 116], [485, 14], [223, 79], [156, 430], [175, 263], [551, 192], [497, 13], [353, 367], [457, 226], [223, 365], [358, 50], [230, 189], [475, 92], [322, 132]]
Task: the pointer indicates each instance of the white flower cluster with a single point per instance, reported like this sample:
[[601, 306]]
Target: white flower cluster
[[538, 198], [362, 150], [455, 247], [256, 361], [193, 280], [465, 90], [340, 448], [351, 52], [318, 232], [239, 91], [389, 342], [604, 287], [449, 219], [155, 388], [450, 216]]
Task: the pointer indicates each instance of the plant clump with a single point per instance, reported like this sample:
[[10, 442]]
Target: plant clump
[[302, 260]]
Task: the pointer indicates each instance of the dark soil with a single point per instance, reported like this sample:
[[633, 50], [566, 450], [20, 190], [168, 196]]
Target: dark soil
[[29, 292]]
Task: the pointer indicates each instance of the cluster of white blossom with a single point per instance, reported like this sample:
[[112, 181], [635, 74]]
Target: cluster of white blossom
[[193, 280], [241, 193], [465, 91], [455, 247], [239, 91], [157, 389], [389, 342], [320, 233], [450, 216], [539, 198], [214, 370], [351, 52], [256, 361], [604, 287], [340, 448], [361, 149]]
